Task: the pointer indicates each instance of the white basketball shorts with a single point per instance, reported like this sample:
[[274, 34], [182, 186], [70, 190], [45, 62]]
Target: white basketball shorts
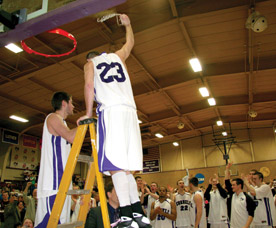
[[44, 208], [119, 140]]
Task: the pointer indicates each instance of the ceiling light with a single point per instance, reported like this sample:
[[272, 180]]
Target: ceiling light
[[275, 130], [212, 101], [175, 143], [224, 133], [158, 135], [195, 64], [219, 123], [14, 48], [204, 92], [19, 118], [140, 121]]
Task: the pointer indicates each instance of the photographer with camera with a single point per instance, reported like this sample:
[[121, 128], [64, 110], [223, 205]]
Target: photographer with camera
[[11, 212]]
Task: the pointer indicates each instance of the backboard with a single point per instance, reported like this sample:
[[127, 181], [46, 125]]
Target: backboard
[[233, 170], [44, 15]]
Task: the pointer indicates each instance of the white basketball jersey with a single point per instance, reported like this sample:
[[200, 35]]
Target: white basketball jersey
[[218, 208], [183, 203], [265, 213], [54, 154], [161, 221], [203, 223], [112, 85]]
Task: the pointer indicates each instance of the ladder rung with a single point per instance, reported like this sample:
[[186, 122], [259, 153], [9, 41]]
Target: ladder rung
[[71, 224], [85, 158], [78, 192]]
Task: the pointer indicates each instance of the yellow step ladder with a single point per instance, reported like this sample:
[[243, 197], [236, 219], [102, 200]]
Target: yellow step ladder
[[66, 180]]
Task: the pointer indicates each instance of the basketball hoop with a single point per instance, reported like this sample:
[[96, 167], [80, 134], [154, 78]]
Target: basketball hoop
[[56, 31], [108, 16]]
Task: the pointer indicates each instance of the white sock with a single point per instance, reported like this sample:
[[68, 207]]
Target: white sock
[[120, 182], [133, 191]]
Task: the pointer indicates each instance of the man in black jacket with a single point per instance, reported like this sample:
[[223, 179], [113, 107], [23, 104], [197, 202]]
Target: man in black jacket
[[216, 196], [242, 205], [94, 218]]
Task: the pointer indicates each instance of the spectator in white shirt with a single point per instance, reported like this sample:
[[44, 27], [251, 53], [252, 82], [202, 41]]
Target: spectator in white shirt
[[242, 205]]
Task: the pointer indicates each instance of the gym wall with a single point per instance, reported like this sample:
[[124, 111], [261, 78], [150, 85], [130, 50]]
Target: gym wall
[[255, 148]]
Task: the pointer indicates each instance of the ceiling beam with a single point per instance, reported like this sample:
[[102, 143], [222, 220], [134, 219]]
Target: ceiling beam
[[251, 64], [184, 83], [173, 106], [24, 103], [43, 85], [193, 50], [188, 134], [173, 8], [226, 100]]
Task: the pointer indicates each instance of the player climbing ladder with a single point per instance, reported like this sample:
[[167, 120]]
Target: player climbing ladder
[[67, 177]]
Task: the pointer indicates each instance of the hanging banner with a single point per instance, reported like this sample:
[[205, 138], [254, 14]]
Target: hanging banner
[[151, 166], [10, 137], [29, 141]]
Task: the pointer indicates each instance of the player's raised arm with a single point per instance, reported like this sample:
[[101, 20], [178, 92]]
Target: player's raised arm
[[124, 52], [88, 90]]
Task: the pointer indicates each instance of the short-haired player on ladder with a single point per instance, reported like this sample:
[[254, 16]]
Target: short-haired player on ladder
[[119, 139]]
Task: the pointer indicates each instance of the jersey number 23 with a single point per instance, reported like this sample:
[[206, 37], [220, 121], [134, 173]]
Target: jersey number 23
[[106, 77]]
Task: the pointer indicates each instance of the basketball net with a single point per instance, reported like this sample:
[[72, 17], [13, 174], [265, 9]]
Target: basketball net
[[108, 16]]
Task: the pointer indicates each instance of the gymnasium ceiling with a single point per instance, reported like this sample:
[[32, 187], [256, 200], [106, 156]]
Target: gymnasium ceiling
[[239, 68]]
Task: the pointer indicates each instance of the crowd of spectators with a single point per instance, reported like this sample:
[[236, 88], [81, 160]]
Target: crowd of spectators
[[239, 202]]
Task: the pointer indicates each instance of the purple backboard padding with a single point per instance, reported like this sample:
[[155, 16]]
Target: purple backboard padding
[[55, 18]]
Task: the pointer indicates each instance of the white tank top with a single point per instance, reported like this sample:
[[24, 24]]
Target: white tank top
[[161, 221], [112, 85], [203, 223], [54, 154], [183, 203]]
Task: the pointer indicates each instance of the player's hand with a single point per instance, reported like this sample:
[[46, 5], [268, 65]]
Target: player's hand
[[210, 180], [245, 178], [82, 118], [158, 210], [124, 19], [170, 188], [228, 166], [216, 178]]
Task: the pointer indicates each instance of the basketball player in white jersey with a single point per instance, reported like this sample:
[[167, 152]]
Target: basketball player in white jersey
[[152, 197], [119, 139], [265, 215], [197, 212], [163, 210], [217, 196], [182, 201], [55, 150]]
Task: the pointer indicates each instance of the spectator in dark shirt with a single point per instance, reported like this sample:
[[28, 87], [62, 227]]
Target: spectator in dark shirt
[[94, 217], [3, 203], [22, 210]]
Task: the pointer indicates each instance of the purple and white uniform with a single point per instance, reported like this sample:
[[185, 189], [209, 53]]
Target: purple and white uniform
[[119, 138], [54, 155]]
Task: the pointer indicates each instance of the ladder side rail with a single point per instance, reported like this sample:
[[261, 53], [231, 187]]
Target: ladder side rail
[[99, 177], [67, 176]]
